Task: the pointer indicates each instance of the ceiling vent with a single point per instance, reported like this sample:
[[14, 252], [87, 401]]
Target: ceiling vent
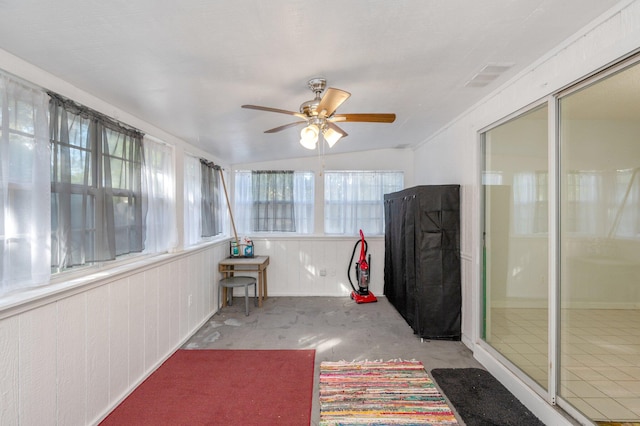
[[488, 75]]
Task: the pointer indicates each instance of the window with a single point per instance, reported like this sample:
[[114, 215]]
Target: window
[[354, 200], [203, 204], [75, 187], [98, 209], [274, 201]]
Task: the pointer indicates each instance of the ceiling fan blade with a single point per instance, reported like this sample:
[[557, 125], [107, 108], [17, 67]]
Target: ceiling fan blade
[[331, 100], [281, 111], [337, 129], [286, 126], [364, 118]]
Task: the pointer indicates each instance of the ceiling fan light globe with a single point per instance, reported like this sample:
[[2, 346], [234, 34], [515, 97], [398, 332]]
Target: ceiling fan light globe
[[309, 144], [309, 136], [331, 136]]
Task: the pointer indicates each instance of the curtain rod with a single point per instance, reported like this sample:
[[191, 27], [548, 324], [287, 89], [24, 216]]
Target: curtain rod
[[83, 109], [210, 164]]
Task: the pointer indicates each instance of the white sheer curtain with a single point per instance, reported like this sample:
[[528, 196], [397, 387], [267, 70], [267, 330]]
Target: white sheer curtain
[[25, 187], [303, 198], [160, 177], [192, 200], [354, 200], [243, 202], [303, 194]]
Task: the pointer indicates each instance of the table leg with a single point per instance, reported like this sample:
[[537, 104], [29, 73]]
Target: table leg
[[264, 283], [260, 291]]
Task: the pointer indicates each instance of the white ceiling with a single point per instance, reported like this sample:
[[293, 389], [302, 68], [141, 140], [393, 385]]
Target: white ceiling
[[186, 66]]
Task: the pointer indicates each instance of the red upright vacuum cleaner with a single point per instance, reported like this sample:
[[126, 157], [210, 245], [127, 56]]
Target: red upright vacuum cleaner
[[362, 294]]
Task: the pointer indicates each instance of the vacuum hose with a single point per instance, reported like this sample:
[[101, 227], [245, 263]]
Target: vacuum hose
[[353, 254]]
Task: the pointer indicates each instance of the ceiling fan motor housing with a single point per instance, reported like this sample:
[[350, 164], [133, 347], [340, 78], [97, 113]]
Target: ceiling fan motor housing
[[310, 108], [317, 86]]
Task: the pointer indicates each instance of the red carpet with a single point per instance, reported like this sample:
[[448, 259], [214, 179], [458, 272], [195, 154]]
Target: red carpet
[[223, 387]]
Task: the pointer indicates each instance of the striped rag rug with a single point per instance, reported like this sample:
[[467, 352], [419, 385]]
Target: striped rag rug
[[380, 393]]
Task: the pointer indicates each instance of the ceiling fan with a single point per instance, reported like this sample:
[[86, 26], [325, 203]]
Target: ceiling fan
[[319, 115]]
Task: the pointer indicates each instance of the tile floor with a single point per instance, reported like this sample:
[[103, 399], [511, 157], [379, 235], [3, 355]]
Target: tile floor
[[600, 356]]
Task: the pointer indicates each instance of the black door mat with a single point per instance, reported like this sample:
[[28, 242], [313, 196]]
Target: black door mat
[[481, 400]]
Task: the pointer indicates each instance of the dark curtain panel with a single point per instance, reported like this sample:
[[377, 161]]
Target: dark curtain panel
[[97, 206], [273, 204], [211, 199]]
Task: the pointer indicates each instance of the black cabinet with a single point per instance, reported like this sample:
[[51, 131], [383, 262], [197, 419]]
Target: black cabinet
[[422, 259]]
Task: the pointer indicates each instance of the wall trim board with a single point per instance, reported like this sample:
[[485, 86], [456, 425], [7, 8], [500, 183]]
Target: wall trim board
[[89, 278]]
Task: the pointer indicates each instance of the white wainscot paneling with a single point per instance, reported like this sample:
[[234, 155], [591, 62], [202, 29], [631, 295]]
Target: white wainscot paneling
[[72, 360], [168, 329], [182, 283], [151, 305], [71, 357], [119, 337], [97, 352], [137, 327], [318, 266], [37, 366], [9, 382]]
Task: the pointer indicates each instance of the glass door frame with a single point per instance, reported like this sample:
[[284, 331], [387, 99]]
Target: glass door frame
[[554, 243], [482, 313], [631, 60]]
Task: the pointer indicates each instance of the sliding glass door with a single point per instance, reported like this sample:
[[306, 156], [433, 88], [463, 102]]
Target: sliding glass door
[[588, 329], [516, 241], [600, 247]]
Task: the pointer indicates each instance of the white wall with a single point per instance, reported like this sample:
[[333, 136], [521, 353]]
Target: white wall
[[452, 156], [296, 265], [383, 159], [70, 358]]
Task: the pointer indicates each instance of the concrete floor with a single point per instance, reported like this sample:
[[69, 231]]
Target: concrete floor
[[337, 328]]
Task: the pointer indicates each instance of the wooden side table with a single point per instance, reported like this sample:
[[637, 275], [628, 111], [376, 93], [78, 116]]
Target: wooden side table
[[258, 264]]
